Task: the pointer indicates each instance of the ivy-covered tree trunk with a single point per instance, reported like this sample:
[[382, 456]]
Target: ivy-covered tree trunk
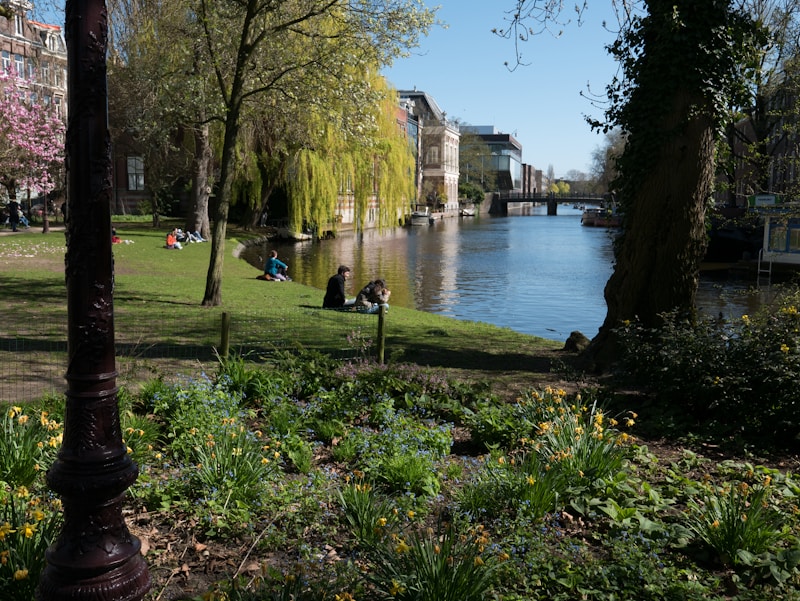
[[658, 261], [683, 63]]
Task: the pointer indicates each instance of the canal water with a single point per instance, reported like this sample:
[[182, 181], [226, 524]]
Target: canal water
[[536, 274]]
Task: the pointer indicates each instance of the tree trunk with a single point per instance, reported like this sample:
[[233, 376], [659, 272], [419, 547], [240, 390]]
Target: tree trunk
[[201, 189], [213, 293], [45, 213], [269, 179], [658, 262]]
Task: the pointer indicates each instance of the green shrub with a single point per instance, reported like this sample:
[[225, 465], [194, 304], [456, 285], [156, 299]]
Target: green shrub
[[739, 378], [370, 515], [28, 525], [736, 521], [442, 565], [27, 445]]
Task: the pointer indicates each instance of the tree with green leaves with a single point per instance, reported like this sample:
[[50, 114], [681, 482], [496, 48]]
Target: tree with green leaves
[[162, 102], [250, 47], [604, 160], [279, 91], [475, 163], [682, 64]]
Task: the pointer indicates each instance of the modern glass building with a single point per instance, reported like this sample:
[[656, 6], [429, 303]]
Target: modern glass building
[[506, 156]]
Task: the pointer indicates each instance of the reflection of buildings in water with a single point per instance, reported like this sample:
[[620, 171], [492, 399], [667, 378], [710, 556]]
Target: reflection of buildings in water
[[433, 256]]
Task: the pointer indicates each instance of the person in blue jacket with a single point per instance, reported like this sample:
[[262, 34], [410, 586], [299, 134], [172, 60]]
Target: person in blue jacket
[[275, 268]]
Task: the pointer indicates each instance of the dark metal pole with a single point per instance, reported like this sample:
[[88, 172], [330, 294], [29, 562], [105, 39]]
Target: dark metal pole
[[95, 557]]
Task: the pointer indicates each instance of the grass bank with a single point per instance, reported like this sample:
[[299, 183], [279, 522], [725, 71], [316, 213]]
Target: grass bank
[[163, 289]]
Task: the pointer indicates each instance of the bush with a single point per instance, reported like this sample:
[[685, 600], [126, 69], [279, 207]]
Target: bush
[[739, 378]]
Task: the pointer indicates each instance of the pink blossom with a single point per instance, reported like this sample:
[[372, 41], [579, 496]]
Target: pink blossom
[[31, 139]]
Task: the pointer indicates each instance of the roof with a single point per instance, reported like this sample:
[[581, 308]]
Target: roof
[[427, 99]]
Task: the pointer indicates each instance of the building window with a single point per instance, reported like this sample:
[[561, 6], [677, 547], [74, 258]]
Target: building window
[[45, 73], [135, 173], [19, 25], [59, 75], [57, 104], [31, 69], [19, 65], [6, 61], [51, 43]]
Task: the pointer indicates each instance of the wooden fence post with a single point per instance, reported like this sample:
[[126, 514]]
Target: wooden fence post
[[381, 333], [225, 335]]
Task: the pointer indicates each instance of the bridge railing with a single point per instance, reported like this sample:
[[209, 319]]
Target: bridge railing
[[526, 196]]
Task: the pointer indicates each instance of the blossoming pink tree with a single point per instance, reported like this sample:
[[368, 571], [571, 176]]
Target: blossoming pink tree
[[31, 140]]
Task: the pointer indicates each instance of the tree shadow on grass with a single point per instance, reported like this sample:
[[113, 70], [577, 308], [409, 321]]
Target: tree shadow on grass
[[472, 359]]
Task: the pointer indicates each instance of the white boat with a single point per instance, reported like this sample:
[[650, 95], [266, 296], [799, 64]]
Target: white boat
[[468, 212], [421, 215]]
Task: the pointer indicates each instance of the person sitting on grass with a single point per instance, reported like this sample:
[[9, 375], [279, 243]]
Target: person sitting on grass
[[275, 268], [188, 237], [172, 240], [373, 296], [334, 294]]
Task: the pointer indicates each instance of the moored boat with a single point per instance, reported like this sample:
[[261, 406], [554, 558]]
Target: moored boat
[[601, 217], [421, 215]]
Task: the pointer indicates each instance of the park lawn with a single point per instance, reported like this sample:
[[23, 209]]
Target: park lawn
[[165, 288]]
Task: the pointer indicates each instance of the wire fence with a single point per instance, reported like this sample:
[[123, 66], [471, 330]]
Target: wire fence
[[33, 350]]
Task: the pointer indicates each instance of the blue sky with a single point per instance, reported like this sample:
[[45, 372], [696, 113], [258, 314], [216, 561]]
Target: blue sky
[[462, 68]]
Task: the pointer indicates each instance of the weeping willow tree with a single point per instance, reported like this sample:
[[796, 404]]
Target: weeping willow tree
[[377, 165]]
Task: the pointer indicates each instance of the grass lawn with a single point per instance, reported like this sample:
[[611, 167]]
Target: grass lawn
[[163, 289]]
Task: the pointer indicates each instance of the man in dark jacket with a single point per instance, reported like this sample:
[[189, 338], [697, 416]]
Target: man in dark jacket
[[13, 215], [334, 295]]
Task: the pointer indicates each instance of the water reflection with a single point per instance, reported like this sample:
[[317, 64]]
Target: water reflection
[[537, 274]]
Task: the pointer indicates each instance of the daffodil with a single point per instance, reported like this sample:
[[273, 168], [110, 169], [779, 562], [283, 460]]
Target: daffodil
[[5, 530], [28, 530]]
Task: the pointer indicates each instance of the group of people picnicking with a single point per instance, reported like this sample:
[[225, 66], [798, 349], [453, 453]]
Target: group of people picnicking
[[370, 299], [177, 238]]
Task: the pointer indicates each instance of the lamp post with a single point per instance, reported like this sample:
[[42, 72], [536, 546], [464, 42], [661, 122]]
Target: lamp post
[[95, 557]]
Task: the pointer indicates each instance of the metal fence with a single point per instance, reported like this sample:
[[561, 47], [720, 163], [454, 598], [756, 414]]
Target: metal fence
[[33, 354]]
